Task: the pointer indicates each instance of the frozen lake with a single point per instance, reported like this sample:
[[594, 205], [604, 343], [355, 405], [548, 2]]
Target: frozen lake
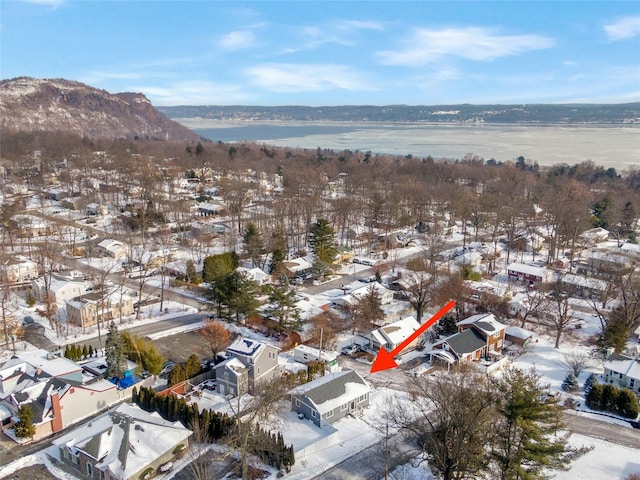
[[615, 146]]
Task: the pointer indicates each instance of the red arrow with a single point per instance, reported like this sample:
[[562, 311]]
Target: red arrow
[[384, 360]]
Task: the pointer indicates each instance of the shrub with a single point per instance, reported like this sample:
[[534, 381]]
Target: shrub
[[147, 473], [570, 383], [627, 404]]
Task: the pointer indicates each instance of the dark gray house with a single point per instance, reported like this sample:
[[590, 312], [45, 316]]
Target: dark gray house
[[329, 398]]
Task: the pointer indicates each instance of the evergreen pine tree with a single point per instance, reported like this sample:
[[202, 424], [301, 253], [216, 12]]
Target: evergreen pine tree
[[627, 404], [529, 439], [593, 399], [570, 383], [25, 427], [114, 352], [85, 352], [591, 379], [608, 400]]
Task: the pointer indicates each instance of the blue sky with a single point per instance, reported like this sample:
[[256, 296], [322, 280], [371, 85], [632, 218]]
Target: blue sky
[[331, 52]]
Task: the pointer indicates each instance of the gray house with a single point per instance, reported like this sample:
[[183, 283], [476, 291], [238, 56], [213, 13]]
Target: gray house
[[250, 363], [329, 398], [123, 443]]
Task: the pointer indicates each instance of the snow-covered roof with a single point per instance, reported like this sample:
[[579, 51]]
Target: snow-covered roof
[[234, 365], [517, 332], [589, 282], [333, 390], [631, 249], [255, 274], [610, 257], [528, 269], [110, 244], [630, 367], [297, 264], [487, 322], [314, 353], [41, 359], [125, 440], [396, 332], [246, 347]]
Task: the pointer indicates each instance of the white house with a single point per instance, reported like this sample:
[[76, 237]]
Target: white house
[[18, 269], [255, 275], [392, 335], [112, 248], [61, 288], [623, 371]]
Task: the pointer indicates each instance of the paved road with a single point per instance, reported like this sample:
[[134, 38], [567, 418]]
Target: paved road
[[370, 463], [590, 427]]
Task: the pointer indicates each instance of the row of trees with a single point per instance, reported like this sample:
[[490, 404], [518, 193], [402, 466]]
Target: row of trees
[[609, 398], [236, 431], [471, 425]]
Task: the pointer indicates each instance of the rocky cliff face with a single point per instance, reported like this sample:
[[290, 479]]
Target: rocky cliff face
[[31, 104]]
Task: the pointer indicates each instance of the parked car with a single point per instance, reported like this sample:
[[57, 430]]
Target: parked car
[[166, 369], [351, 349]]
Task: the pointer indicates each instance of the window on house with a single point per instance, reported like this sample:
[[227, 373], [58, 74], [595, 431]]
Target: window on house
[[89, 470], [258, 369], [297, 402], [362, 397], [313, 413], [620, 375], [632, 383], [343, 407], [328, 414]]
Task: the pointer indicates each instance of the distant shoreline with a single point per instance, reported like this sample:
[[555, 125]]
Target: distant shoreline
[[608, 145]]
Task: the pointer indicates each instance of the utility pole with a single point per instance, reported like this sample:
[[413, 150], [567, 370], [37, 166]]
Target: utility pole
[[386, 452]]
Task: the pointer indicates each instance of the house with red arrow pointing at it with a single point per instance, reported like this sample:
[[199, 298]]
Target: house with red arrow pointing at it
[[479, 336]]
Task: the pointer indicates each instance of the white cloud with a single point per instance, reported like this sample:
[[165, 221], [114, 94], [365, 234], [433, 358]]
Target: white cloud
[[96, 77], [479, 44], [359, 25], [237, 40], [196, 92], [623, 29], [305, 77], [50, 3]]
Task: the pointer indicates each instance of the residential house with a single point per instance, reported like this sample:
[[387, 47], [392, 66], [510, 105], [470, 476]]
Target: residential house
[[213, 207], [586, 287], [86, 310], [623, 371], [606, 261], [631, 249], [17, 269], [331, 397], [521, 272], [306, 354], [297, 269], [386, 295], [29, 225], [59, 391], [479, 336], [62, 287], [592, 237], [250, 364], [637, 332], [112, 248], [392, 335], [232, 377], [123, 443], [256, 275]]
